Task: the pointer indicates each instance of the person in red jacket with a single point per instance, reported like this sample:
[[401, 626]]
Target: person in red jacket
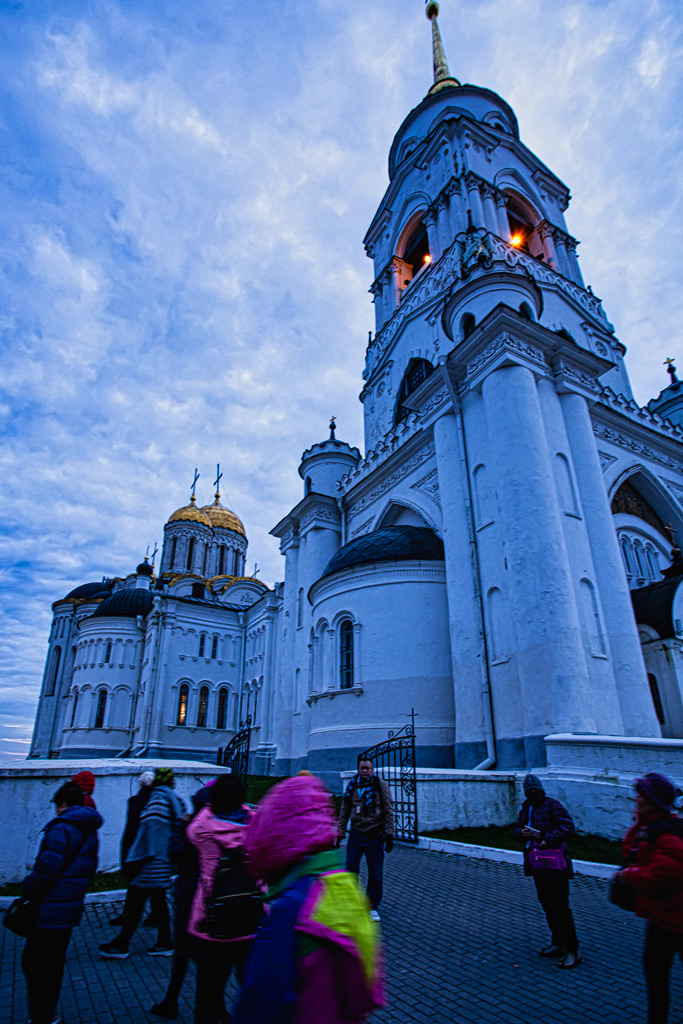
[[653, 867]]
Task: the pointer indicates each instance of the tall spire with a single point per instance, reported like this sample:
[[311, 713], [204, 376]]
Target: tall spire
[[442, 75]]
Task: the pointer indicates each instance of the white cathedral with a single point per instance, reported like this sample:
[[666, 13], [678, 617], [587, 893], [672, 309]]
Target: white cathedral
[[500, 559]]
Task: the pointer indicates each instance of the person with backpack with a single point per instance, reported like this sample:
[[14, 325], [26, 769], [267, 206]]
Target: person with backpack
[[367, 805], [543, 826], [136, 805], [316, 957], [221, 918], [148, 865], [66, 861], [653, 871]]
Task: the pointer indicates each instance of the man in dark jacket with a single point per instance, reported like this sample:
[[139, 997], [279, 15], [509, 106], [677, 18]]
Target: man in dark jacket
[[66, 862], [544, 824], [367, 805]]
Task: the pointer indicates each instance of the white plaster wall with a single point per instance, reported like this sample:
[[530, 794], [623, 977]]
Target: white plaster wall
[[26, 790]]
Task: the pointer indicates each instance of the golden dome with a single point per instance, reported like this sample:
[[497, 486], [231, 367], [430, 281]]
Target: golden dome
[[220, 516], [190, 514]]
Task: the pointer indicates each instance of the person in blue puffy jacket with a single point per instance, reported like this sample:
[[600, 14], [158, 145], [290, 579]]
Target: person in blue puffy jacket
[[60, 891]]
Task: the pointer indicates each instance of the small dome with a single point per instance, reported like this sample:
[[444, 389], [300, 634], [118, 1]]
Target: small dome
[[389, 544], [89, 590], [224, 518], [127, 603], [190, 514], [144, 569]]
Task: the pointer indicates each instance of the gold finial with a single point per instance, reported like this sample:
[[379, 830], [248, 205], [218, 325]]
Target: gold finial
[[669, 363], [442, 74]]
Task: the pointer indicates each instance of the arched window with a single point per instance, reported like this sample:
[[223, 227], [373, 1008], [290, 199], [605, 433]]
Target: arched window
[[416, 249], [236, 571], [107, 653], [214, 647], [418, 371], [203, 707], [73, 708], [300, 608], [467, 325], [101, 708], [202, 641], [221, 560], [346, 655], [656, 698], [522, 224], [54, 672], [190, 553], [565, 485], [627, 555], [183, 694], [222, 713], [174, 545], [591, 618]]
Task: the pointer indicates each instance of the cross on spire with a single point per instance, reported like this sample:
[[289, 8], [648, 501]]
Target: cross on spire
[[217, 481], [671, 369], [333, 427], [155, 552], [194, 484]]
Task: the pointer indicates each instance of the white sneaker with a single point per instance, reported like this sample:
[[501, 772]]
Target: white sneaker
[[374, 915]]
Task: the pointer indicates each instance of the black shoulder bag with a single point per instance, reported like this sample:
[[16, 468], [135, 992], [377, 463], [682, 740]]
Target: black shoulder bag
[[235, 907], [21, 917]]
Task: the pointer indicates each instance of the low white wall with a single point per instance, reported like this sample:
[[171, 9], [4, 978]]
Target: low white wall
[[26, 790], [592, 776]]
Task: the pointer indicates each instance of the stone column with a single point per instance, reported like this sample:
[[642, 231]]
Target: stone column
[[503, 223], [467, 647], [490, 212], [622, 633], [549, 643]]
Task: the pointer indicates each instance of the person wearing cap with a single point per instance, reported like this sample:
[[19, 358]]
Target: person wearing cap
[[85, 781], [653, 868], [543, 826], [148, 866], [66, 861]]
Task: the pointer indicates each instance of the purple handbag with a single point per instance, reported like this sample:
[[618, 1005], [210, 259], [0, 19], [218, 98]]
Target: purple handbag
[[547, 860]]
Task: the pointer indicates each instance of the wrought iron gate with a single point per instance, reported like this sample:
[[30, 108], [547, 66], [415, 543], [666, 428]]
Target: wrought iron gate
[[236, 755], [394, 761]]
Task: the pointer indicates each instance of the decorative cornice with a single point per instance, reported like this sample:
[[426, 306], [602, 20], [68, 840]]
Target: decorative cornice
[[429, 486], [630, 444], [391, 480]]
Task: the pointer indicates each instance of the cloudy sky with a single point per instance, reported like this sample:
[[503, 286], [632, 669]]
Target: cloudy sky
[[183, 196]]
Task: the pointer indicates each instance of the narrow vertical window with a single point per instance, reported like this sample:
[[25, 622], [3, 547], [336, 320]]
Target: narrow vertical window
[[190, 553], [237, 564], [54, 672], [221, 560], [255, 704], [203, 707], [656, 698], [214, 647], [183, 694], [107, 653], [222, 714], [346, 655], [101, 708], [202, 641], [174, 545], [73, 709], [300, 608]]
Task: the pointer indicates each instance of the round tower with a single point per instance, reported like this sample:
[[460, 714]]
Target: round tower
[[188, 535], [324, 464], [669, 402]]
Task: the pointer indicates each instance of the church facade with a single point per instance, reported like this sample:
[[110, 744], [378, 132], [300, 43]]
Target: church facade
[[502, 559]]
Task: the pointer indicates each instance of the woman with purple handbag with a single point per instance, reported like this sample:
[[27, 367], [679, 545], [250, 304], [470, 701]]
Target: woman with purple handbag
[[543, 826]]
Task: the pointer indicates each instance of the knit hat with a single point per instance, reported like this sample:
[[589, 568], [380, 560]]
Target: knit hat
[[85, 781], [657, 789], [164, 777], [147, 778], [532, 782]]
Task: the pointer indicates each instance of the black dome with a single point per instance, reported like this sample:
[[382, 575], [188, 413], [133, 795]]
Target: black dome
[[390, 544], [126, 604], [144, 569], [89, 590]]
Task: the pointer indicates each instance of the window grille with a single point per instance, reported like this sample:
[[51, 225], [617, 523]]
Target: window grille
[[214, 647], [222, 714], [101, 707], [346, 655]]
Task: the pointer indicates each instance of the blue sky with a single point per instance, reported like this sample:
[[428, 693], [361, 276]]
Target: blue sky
[[184, 190]]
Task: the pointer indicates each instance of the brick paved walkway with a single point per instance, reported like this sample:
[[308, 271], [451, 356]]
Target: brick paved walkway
[[461, 942]]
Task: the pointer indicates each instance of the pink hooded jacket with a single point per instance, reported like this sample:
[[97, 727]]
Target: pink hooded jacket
[[212, 836]]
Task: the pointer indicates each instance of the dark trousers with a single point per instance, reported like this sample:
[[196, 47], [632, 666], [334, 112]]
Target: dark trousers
[[42, 962], [552, 890], [373, 849], [661, 945], [215, 961], [136, 898]]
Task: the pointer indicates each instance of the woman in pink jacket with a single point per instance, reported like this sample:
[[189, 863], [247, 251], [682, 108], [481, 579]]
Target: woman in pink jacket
[[217, 828], [316, 957]]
